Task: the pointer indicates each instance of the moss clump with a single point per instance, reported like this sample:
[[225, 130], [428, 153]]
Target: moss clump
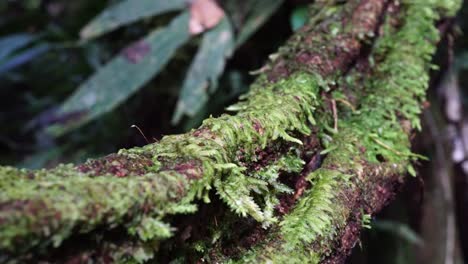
[[45, 207], [372, 141], [316, 212], [44, 212], [138, 189], [192, 164]]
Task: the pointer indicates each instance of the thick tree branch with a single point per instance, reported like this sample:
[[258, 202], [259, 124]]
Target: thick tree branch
[[281, 126]]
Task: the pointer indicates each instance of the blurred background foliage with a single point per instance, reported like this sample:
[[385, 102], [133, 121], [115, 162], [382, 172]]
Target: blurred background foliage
[[75, 76]]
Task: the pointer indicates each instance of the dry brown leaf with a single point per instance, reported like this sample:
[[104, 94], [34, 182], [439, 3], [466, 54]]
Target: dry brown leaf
[[204, 14]]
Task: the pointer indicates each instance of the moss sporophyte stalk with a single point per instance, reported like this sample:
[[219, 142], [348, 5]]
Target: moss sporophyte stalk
[[312, 89]]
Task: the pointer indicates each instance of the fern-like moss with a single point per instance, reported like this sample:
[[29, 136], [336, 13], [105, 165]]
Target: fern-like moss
[[392, 94], [138, 188], [315, 215]]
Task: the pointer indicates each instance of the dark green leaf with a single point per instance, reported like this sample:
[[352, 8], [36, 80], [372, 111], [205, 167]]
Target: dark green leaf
[[39, 160], [399, 229], [299, 17], [22, 57], [11, 43], [127, 12], [260, 13], [122, 76], [208, 65]]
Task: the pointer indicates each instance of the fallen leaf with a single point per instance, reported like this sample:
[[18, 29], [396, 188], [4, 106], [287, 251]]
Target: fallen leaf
[[204, 14]]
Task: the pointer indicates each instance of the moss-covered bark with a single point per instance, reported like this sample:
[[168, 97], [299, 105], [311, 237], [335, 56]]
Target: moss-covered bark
[[369, 154], [323, 94]]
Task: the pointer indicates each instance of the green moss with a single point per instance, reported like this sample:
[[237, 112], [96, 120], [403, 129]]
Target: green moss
[[272, 255], [271, 113], [372, 140], [375, 131], [192, 164], [316, 214], [56, 207], [239, 191], [46, 206], [43, 208]]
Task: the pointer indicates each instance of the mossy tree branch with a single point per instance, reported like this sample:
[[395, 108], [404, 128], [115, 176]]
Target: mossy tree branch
[[323, 94]]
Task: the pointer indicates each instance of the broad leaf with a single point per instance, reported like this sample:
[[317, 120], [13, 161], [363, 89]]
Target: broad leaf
[[11, 43], [122, 76], [208, 65], [22, 57], [127, 12], [259, 14]]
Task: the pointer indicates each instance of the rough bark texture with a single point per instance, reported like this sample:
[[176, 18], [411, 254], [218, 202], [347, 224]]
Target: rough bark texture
[[319, 144]]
